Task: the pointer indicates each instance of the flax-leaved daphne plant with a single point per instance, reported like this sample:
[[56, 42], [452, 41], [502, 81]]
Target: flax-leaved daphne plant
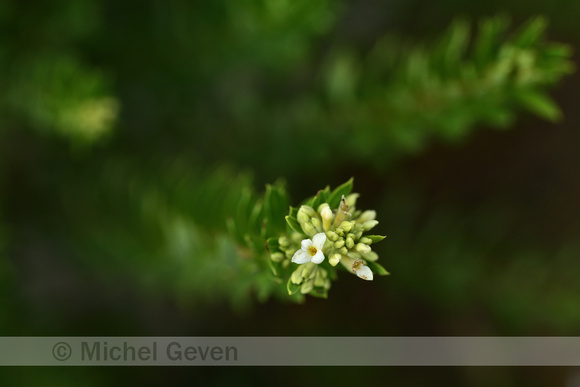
[[327, 232]]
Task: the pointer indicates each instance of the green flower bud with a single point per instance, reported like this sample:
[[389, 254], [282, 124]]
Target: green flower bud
[[351, 199], [335, 259], [285, 263], [277, 257], [338, 244], [362, 248], [366, 216], [371, 256], [321, 207], [284, 241], [369, 224], [305, 213], [326, 214], [302, 217], [366, 241], [296, 237], [296, 276], [319, 280], [327, 245], [346, 226], [308, 210], [349, 243], [343, 251], [309, 229], [309, 269], [331, 235], [307, 286], [317, 224]]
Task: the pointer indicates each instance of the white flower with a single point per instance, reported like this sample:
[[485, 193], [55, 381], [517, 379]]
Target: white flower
[[362, 271], [311, 250], [365, 273]]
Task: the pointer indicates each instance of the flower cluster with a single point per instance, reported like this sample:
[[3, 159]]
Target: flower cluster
[[339, 235], [321, 237]]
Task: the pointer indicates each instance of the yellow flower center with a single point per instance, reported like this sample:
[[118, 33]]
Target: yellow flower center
[[312, 251]]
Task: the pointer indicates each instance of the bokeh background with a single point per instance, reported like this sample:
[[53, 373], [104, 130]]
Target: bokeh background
[[122, 123]]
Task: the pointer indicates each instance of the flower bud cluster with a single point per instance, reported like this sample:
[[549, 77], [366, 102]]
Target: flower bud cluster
[[344, 229], [345, 243], [310, 275]]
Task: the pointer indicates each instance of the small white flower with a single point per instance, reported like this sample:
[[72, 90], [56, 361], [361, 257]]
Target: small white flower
[[311, 250], [365, 273], [362, 271]]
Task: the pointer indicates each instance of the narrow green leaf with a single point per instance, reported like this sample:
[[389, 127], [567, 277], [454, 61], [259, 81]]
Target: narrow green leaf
[[375, 238], [292, 287], [324, 195], [273, 245], [377, 269], [293, 212], [320, 197], [558, 50], [243, 211], [256, 218], [273, 267], [530, 32], [314, 202], [458, 41], [275, 205], [488, 39], [336, 195], [451, 48], [294, 225], [540, 104]]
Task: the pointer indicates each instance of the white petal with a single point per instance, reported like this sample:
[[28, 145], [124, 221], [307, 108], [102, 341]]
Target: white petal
[[306, 243], [318, 257], [326, 213], [365, 273], [318, 240], [301, 256]]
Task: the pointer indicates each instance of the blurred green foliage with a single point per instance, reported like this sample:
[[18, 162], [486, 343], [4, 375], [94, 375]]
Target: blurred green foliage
[[46, 86], [136, 138], [174, 229]]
